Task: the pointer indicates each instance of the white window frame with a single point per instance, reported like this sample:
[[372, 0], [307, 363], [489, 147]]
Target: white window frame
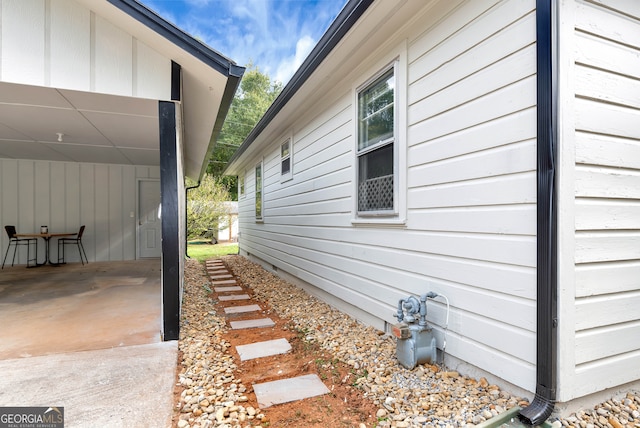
[[259, 193], [397, 60], [288, 175]]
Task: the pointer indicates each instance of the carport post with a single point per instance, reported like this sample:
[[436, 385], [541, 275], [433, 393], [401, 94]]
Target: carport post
[[170, 222]]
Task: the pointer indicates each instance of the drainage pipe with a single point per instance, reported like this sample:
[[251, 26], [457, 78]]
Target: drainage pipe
[[186, 220], [547, 249]]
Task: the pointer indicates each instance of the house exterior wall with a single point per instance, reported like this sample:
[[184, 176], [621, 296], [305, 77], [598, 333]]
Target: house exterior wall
[[64, 45], [466, 222], [600, 158], [66, 195]]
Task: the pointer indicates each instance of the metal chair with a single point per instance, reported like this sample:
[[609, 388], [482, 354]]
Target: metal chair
[[15, 241], [74, 241]]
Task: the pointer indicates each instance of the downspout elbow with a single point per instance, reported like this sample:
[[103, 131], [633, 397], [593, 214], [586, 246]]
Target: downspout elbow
[[540, 409]]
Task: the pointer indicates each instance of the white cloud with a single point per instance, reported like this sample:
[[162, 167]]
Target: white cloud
[[289, 65]]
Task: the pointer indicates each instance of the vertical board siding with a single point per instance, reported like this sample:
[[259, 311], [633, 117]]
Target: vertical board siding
[[66, 195], [70, 47], [607, 179], [113, 69], [22, 30], [470, 221], [70, 56]]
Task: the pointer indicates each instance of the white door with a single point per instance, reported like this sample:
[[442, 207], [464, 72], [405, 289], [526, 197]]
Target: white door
[[149, 224]]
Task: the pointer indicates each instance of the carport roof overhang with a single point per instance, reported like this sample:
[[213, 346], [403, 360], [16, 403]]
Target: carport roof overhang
[[108, 128], [209, 80]]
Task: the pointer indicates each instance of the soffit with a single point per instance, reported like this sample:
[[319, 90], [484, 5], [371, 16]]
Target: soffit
[[95, 128]]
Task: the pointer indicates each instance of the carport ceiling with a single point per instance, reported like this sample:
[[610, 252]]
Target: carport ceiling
[[95, 128]]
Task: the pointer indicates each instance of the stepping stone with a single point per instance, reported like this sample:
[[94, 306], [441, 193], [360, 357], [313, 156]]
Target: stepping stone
[[262, 322], [227, 276], [217, 271], [242, 309], [286, 390], [224, 281], [226, 289], [263, 349], [233, 297]]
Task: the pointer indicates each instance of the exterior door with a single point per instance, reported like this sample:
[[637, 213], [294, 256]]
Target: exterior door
[[149, 224]]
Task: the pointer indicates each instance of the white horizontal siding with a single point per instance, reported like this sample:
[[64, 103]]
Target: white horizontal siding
[[470, 221], [607, 179], [65, 195], [71, 47], [472, 167]]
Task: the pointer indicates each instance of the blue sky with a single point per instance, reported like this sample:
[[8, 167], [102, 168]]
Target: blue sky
[[275, 35]]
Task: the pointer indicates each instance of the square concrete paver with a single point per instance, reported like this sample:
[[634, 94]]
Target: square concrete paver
[[224, 281], [226, 289], [262, 322], [263, 349], [242, 309], [233, 297], [286, 390]]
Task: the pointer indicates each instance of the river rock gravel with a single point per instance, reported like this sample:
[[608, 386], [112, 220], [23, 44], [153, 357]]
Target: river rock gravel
[[427, 396]]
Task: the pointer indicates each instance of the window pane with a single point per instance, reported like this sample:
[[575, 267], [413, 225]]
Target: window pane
[[259, 191], [284, 149], [376, 112], [375, 180], [286, 166]]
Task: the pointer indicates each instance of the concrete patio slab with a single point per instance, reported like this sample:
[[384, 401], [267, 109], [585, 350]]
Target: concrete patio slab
[[258, 323], [242, 309], [263, 349], [51, 310], [234, 297], [128, 386], [226, 289], [286, 390]]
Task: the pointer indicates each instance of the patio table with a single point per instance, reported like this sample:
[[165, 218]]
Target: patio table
[[47, 238]]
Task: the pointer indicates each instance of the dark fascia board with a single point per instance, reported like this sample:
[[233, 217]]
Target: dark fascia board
[[178, 37], [348, 16]]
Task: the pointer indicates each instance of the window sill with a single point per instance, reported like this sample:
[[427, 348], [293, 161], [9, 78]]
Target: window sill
[[380, 222]]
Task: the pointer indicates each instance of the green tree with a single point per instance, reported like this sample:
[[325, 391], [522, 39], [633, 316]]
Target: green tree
[[207, 208], [254, 96]]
